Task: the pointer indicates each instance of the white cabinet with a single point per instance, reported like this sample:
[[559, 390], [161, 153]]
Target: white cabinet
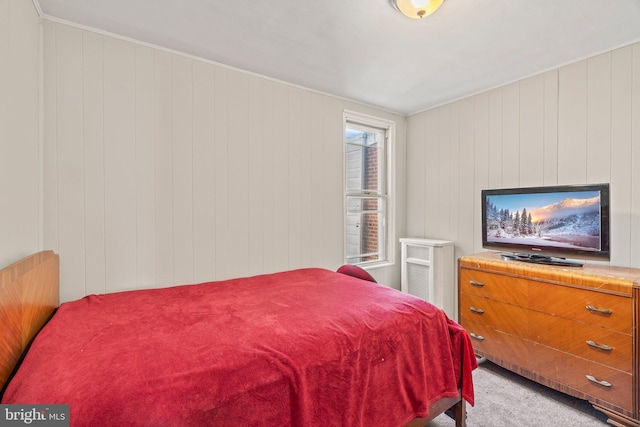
[[428, 272]]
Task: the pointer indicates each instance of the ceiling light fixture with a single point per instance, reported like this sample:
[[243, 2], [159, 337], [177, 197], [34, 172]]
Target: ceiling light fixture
[[416, 9]]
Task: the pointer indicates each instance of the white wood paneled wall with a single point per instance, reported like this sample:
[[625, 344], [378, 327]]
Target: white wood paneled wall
[[577, 124], [162, 169], [20, 158]]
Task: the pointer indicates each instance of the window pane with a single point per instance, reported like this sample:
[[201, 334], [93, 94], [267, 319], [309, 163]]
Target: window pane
[[364, 229], [364, 160]]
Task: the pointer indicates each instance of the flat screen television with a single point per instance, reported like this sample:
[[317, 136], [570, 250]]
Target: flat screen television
[[548, 224]]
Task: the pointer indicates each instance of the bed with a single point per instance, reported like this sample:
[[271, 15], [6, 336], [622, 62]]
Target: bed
[[298, 348]]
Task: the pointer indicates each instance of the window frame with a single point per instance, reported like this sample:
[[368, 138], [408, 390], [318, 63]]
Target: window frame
[[386, 191]]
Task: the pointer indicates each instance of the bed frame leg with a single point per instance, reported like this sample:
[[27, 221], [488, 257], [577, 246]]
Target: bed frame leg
[[460, 413]]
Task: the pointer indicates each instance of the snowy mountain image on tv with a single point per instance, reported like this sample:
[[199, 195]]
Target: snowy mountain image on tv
[[563, 219]]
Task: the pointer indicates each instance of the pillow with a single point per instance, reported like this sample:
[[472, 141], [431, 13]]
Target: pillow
[[355, 271]]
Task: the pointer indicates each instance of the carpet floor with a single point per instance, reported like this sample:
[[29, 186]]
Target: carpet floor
[[504, 399]]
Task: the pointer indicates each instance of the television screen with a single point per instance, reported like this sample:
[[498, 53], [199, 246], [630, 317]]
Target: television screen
[[557, 221]]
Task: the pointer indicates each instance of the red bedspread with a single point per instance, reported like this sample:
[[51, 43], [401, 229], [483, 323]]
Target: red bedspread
[[306, 348]]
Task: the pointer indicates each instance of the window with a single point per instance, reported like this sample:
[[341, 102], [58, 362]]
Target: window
[[368, 234]]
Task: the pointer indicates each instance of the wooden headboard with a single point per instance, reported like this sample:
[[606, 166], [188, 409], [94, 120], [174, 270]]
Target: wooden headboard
[[29, 293]]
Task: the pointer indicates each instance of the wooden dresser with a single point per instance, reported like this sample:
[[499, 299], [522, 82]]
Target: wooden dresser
[[574, 329]]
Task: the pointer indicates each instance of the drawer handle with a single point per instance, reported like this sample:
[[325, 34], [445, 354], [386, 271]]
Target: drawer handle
[[476, 310], [599, 310], [600, 346], [602, 383], [478, 337], [475, 283]]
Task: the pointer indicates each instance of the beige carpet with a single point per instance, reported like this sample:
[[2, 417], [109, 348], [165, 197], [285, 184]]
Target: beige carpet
[[504, 399]]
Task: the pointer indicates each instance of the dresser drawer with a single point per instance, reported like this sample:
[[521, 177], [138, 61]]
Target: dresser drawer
[[572, 372], [500, 316], [490, 342], [591, 342], [498, 287], [595, 308]]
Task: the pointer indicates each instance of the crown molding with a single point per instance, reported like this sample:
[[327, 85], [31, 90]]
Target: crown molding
[[36, 4]]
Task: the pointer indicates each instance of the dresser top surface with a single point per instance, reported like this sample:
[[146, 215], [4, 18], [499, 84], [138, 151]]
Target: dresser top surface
[[598, 276]]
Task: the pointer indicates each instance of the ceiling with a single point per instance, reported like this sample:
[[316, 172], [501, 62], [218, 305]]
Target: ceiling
[[367, 51]]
